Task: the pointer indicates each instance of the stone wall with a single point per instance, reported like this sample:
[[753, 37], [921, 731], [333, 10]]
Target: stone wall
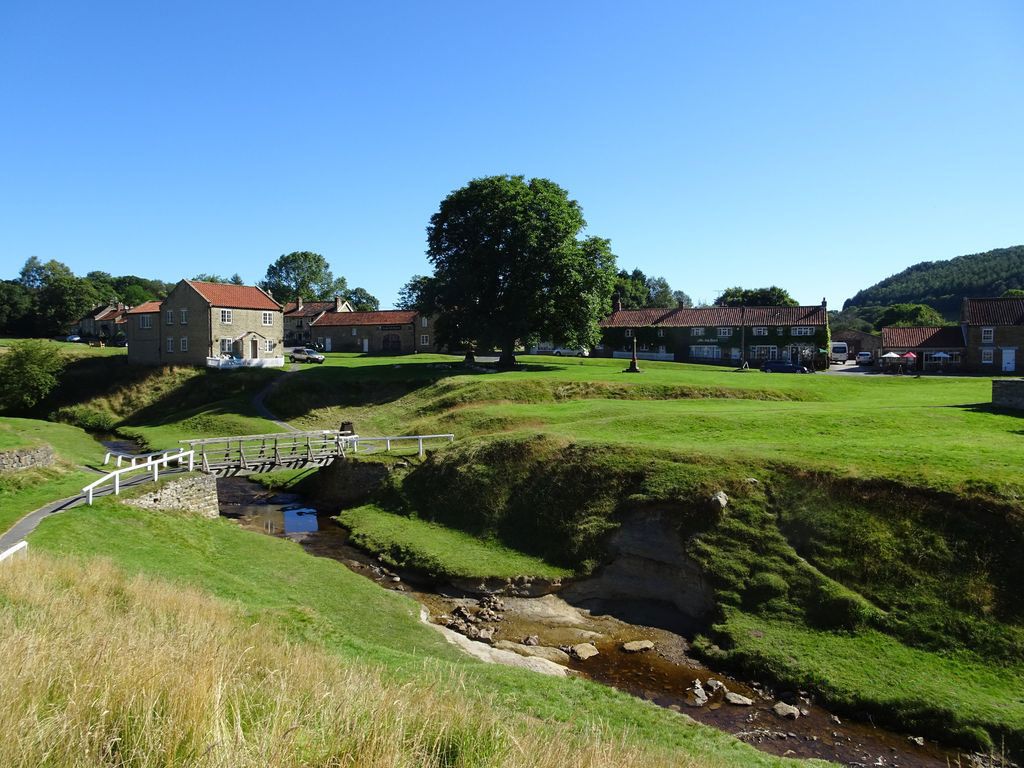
[[196, 494], [26, 458], [1008, 393]]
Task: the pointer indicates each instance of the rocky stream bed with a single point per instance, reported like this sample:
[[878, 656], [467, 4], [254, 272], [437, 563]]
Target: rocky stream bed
[[575, 631]]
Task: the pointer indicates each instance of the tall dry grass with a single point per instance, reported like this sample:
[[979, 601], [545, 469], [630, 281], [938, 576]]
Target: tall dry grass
[[102, 669]]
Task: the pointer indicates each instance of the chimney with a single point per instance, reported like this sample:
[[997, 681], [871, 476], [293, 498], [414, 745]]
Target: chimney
[[616, 303], [337, 303], [298, 301]]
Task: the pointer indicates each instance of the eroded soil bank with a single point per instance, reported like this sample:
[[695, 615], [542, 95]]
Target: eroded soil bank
[[648, 584]]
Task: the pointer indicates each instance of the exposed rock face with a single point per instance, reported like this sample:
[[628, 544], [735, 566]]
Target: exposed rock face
[[696, 696], [584, 651], [556, 655], [638, 646], [344, 483], [648, 563], [782, 709], [26, 458], [196, 494], [719, 500]]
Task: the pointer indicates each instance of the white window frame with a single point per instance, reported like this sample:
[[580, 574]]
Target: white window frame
[[145, 321], [705, 352], [724, 332], [354, 330], [661, 333], [988, 335], [268, 318], [697, 330], [269, 345], [760, 330], [424, 340], [183, 345], [225, 317], [988, 356], [629, 333], [226, 346], [170, 343], [183, 316], [170, 317], [424, 322], [801, 330]]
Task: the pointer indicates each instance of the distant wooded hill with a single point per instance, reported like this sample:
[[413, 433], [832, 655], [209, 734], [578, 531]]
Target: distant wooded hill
[[943, 284]]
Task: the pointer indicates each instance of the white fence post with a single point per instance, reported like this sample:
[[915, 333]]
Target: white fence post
[[421, 446], [117, 486]]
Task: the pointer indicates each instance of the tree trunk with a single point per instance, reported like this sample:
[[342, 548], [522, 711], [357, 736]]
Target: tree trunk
[[507, 361], [470, 358]]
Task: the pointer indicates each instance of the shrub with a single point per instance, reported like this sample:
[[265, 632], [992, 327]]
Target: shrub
[[28, 373]]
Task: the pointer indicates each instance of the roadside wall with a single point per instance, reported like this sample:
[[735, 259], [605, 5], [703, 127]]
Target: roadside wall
[[1008, 393], [196, 494], [26, 458]]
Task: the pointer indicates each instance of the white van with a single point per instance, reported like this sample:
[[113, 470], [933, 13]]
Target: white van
[[840, 352]]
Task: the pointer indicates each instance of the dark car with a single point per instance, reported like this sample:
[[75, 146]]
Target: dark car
[[781, 366]]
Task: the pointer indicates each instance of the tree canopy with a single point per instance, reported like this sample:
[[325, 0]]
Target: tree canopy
[[305, 275], [637, 290], [944, 285], [28, 372], [510, 267], [773, 296], [909, 315], [235, 279]]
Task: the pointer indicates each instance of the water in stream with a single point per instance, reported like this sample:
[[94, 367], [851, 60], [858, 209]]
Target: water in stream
[[664, 676]]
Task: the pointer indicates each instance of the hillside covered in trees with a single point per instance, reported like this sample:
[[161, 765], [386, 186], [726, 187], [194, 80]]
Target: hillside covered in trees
[[943, 284]]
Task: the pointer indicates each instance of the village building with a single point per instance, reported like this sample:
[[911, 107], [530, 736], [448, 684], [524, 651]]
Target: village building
[[993, 331], [922, 348], [386, 331], [298, 315], [214, 324], [730, 335], [859, 341], [103, 322]]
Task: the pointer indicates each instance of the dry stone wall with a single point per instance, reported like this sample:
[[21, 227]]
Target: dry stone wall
[[1008, 393], [26, 458], [196, 494]]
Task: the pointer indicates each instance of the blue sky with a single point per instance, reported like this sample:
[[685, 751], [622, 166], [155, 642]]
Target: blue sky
[[820, 146]]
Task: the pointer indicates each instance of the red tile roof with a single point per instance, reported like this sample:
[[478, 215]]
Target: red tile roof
[[149, 306], [1008, 311], [382, 317], [234, 296], [309, 308], [946, 337], [111, 313], [687, 317]]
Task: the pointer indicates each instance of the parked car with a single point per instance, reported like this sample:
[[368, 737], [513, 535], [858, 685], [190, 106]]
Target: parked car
[[547, 348], [865, 358], [306, 355], [781, 366], [73, 337]]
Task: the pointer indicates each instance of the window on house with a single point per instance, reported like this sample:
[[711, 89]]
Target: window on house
[[760, 330], [225, 316], [184, 344], [298, 323], [424, 322], [661, 333], [697, 331], [170, 317], [269, 345], [764, 352], [183, 316], [353, 331], [724, 333], [145, 321], [320, 341], [170, 343], [661, 349], [629, 333], [988, 335], [225, 346], [802, 330], [705, 352], [424, 340], [268, 318], [780, 330], [986, 355], [645, 348]]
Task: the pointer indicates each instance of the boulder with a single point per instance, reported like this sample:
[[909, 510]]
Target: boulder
[[716, 685], [584, 651], [531, 640], [696, 696], [719, 500], [638, 646], [782, 709], [738, 700], [486, 635]]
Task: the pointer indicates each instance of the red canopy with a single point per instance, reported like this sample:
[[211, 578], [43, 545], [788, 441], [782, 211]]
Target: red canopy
[[910, 356]]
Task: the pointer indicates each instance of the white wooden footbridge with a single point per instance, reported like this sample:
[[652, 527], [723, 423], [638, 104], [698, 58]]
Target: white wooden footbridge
[[252, 453]]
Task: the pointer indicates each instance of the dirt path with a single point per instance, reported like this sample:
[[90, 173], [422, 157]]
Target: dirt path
[[259, 401]]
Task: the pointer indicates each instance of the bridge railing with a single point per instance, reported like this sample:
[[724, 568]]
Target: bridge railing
[[133, 458], [152, 463], [245, 451], [397, 438]]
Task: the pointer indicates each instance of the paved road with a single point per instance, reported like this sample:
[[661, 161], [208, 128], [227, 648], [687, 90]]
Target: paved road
[[21, 529]]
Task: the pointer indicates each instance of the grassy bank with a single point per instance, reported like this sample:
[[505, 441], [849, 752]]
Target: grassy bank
[[28, 489], [438, 551], [223, 690], [319, 603]]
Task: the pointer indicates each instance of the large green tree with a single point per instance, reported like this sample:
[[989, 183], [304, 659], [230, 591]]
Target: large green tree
[[909, 315], [773, 296], [28, 372], [303, 274], [510, 267]]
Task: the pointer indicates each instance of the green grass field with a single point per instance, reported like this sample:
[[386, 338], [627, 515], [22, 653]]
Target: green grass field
[[74, 349]]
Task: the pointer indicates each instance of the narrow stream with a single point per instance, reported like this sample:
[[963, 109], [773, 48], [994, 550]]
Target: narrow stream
[[665, 675]]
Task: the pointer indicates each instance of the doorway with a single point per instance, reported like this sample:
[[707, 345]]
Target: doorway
[[392, 343], [254, 347], [1009, 360]]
